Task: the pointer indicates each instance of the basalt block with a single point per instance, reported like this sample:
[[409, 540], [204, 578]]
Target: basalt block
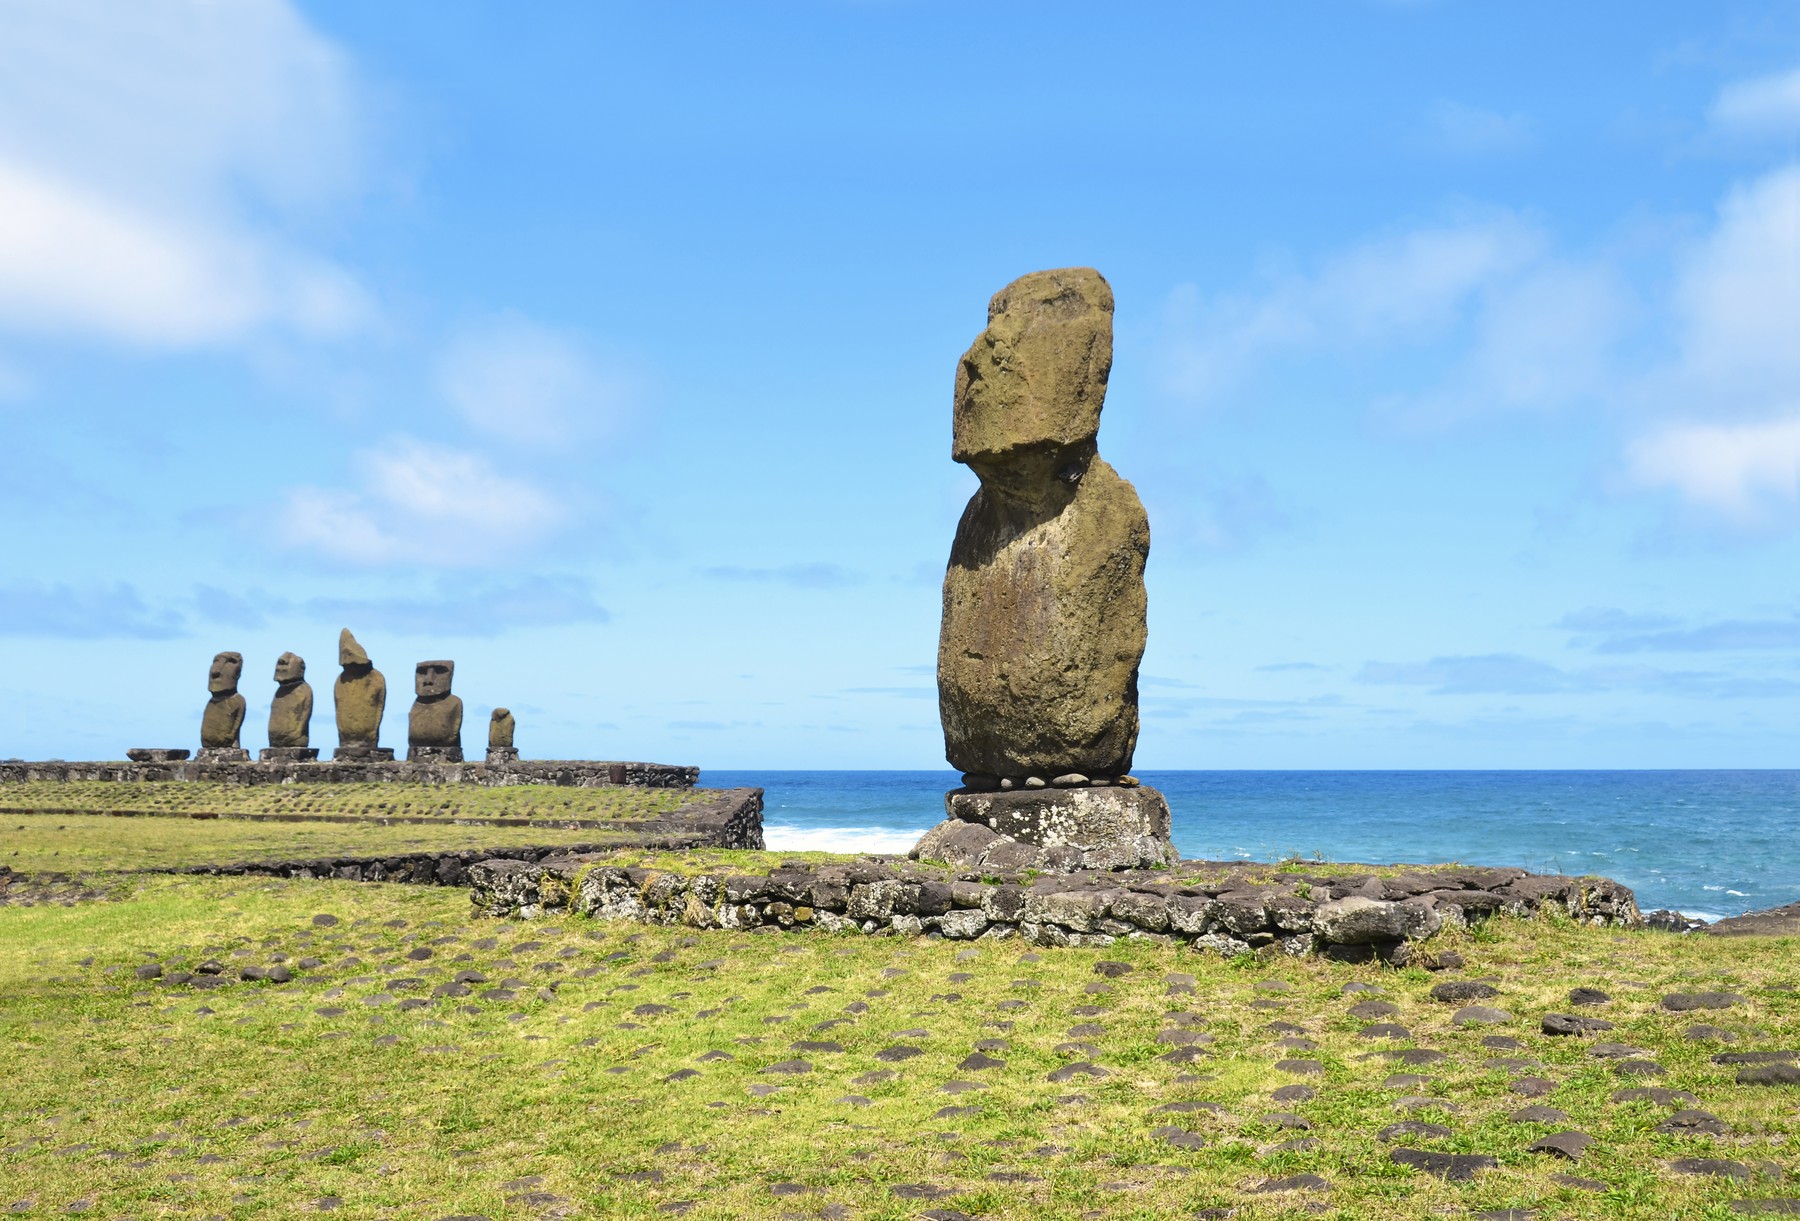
[[1109, 828], [156, 754], [1044, 604], [288, 754]]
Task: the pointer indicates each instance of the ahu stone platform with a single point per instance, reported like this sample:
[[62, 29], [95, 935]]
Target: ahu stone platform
[[579, 773], [1224, 907]]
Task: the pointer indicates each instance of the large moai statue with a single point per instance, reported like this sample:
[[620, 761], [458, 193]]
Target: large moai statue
[[223, 719], [360, 697], [500, 747], [1044, 603], [290, 714], [434, 728]]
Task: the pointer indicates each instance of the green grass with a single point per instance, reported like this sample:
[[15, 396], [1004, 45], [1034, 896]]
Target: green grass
[[363, 800], [259, 1100], [95, 844]]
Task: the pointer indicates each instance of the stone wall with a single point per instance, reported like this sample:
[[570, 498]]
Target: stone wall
[[1229, 910], [733, 819], [578, 773]]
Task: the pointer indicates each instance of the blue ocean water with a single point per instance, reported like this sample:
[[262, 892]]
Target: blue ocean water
[[1709, 843]]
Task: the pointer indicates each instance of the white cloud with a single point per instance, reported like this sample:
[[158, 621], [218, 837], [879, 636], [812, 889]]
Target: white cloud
[[1748, 474], [1406, 289], [1736, 298], [1469, 131], [157, 163], [1765, 106], [417, 503], [512, 377]]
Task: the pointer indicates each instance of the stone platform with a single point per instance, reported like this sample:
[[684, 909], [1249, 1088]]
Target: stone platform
[[1225, 907], [1061, 830], [579, 773]]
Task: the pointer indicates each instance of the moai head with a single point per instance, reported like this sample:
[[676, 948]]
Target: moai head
[[349, 652], [431, 679], [290, 668], [227, 668], [1030, 388]]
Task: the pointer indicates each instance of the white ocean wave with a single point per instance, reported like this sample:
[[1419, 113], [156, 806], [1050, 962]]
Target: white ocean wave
[[1742, 894], [1709, 917], [784, 837]]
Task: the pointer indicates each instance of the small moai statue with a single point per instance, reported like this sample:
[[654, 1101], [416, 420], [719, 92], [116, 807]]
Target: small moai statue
[[360, 697], [290, 714], [500, 737], [434, 729], [223, 720]]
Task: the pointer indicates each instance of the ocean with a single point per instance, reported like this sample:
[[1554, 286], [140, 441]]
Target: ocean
[[1706, 843]]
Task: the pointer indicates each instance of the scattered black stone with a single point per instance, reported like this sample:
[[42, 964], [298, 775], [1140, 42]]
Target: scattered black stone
[[1405, 1081], [1300, 1068], [1511, 1064], [1413, 1129], [1654, 1093], [1769, 1074], [1298, 1182], [1787, 1206], [1285, 1120], [1384, 1030], [1456, 1167], [1294, 1093], [1756, 1057], [1588, 996], [1531, 1087], [1070, 1072], [682, 1074], [1480, 1015], [1693, 1123], [960, 1087], [1501, 1042], [1180, 1138], [1717, 1167], [1614, 1051], [1113, 970], [1456, 991], [897, 1053], [789, 1067], [1569, 1024], [1687, 1002], [1410, 1056], [920, 1191], [955, 1112], [1539, 1114], [1190, 1106], [1639, 1068], [1570, 1145], [1706, 1033], [817, 1045]]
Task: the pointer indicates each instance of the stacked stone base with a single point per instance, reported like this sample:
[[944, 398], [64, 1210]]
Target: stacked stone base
[[1061, 830], [1229, 911]]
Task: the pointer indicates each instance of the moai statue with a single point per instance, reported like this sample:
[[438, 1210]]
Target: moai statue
[[223, 720], [434, 730], [290, 714], [500, 737], [1044, 603], [360, 697]]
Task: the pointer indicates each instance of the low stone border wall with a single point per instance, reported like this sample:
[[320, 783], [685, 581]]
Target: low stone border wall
[[577, 773], [1229, 910]]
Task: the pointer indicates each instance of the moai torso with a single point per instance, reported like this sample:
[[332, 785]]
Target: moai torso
[[435, 723], [500, 730], [1044, 602], [359, 696], [290, 712], [223, 720]]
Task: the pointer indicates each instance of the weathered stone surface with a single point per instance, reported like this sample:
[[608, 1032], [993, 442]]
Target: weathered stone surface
[[359, 698], [290, 711], [223, 719], [1044, 603], [1113, 828], [156, 754], [1773, 922], [500, 730], [434, 727], [1358, 920]]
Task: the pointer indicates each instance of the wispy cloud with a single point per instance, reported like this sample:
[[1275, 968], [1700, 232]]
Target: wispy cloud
[[417, 503], [84, 612], [142, 154], [1513, 674], [799, 576], [1661, 634], [1470, 131], [514, 378], [1281, 667], [1760, 107]]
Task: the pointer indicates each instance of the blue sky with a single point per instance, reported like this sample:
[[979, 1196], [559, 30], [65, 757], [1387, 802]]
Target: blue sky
[[608, 350]]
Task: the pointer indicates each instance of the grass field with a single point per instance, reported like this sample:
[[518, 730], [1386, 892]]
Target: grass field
[[621, 1071], [95, 844], [366, 800]]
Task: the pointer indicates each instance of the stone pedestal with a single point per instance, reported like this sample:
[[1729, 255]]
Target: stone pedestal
[[435, 754], [1060, 830], [365, 754], [502, 754], [222, 754], [289, 754], [156, 754]]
